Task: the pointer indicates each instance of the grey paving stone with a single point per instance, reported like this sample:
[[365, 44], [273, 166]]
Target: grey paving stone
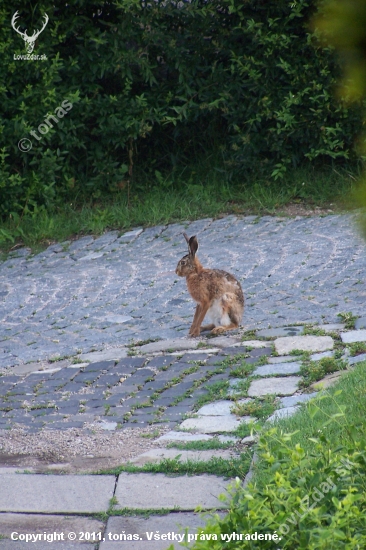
[[214, 424], [165, 345], [353, 336], [84, 378], [305, 343], [218, 408], [356, 359], [109, 354], [280, 359], [132, 363], [283, 331], [333, 327], [183, 436], [63, 374], [161, 361], [107, 380], [55, 494], [224, 341], [318, 356], [109, 426], [25, 369], [276, 386], [279, 368], [178, 390], [99, 366], [255, 343], [295, 399], [39, 524], [260, 352], [157, 455], [184, 492], [282, 413], [173, 523]]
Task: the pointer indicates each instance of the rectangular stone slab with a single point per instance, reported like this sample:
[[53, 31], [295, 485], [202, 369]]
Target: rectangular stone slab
[[158, 455], [213, 424], [55, 494], [353, 336], [276, 386], [279, 368], [287, 344], [156, 491], [162, 525], [41, 523], [183, 436]]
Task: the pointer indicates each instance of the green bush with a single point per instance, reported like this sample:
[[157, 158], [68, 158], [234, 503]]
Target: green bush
[[315, 502], [155, 85], [309, 484]]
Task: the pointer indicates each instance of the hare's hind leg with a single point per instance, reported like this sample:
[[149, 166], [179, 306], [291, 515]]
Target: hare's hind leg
[[208, 327], [230, 317], [221, 329]]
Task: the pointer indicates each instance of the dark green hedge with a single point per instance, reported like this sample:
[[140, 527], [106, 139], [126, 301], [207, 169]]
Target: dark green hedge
[[152, 85]]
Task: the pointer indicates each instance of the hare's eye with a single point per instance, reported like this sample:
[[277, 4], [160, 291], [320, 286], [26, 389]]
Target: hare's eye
[[183, 262]]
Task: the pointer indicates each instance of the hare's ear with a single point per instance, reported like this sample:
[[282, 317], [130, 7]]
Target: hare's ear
[[193, 246]]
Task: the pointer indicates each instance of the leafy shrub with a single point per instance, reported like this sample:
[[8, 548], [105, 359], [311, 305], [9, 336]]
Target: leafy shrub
[[313, 502], [153, 85]]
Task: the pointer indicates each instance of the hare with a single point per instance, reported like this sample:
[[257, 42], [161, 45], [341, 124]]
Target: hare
[[217, 293]]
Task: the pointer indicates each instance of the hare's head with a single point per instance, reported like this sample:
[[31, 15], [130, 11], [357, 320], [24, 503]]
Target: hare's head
[[187, 264]]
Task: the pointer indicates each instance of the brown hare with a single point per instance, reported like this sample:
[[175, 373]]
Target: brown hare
[[217, 293]]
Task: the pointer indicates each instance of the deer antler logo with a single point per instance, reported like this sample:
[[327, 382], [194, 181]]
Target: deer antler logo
[[29, 40]]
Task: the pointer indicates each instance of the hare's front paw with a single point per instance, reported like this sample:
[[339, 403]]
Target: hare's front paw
[[194, 332]]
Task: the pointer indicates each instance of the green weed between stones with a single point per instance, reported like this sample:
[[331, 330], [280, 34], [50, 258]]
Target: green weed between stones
[[348, 319], [258, 407], [312, 371], [112, 511], [235, 467], [209, 445], [314, 331], [309, 484], [357, 348]]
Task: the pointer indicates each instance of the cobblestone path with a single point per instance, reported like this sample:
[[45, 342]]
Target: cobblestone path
[[92, 294]]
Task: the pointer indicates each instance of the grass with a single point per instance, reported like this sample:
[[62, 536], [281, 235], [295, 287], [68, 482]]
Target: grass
[[312, 371], [357, 348], [234, 467], [203, 191], [348, 319], [333, 415], [258, 407], [211, 444]]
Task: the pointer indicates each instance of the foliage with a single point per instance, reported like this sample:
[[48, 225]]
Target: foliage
[[311, 502], [311, 488], [146, 81], [343, 26]]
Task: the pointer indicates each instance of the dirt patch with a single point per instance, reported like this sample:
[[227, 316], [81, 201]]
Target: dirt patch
[[74, 450], [299, 209]]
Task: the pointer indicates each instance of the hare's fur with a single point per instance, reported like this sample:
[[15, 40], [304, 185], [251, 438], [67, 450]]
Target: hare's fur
[[218, 294]]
